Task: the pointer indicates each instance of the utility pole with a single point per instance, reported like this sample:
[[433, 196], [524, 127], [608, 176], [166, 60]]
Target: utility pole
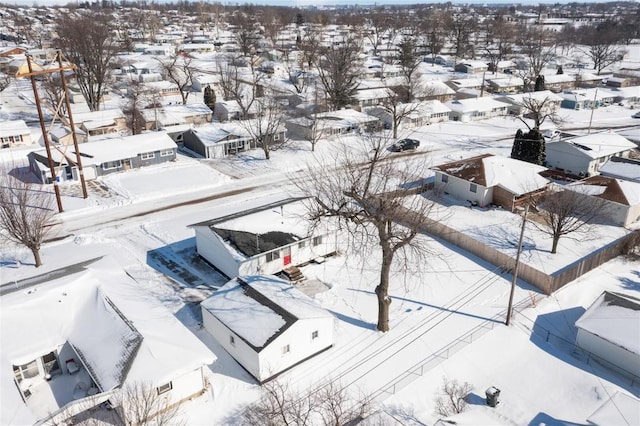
[[593, 106], [515, 268]]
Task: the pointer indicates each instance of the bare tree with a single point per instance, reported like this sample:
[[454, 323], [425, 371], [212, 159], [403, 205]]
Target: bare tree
[[27, 211], [141, 403], [245, 32], [5, 81], [339, 70], [267, 128], [397, 110], [564, 213], [362, 193], [139, 97], [328, 404], [453, 397], [499, 38], [602, 47], [537, 47], [88, 42], [539, 110], [179, 69], [460, 27], [241, 84], [409, 60]]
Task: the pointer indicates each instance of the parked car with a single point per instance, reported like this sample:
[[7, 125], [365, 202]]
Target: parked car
[[551, 134], [636, 115], [404, 144]]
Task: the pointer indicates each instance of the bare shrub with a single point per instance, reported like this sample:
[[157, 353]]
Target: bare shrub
[[453, 397]]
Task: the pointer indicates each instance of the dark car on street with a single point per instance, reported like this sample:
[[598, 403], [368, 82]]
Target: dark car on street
[[404, 144]]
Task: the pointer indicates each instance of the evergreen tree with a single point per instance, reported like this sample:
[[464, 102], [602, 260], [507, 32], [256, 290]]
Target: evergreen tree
[[529, 147], [210, 97], [539, 87], [560, 71]]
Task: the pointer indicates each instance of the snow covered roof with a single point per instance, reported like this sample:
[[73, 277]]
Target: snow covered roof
[[622, 168], [120, 332], [614, 317], [263, 229], [539, 96], [102, 151], [617, 190], [517, 177], [475, 104], [96, 119], [176, 114], [620, 409], [14, 128], [260, 308], [598, 145]]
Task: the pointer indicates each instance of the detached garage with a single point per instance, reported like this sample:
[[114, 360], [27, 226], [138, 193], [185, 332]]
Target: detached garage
[[610, 329]]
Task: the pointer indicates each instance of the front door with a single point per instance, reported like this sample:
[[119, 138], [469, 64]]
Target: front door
[[286, 256]]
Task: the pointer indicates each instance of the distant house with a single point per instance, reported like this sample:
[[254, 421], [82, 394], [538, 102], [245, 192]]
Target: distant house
[[559, 82], [331, 123], [266, 324], [104, 157], [421, 114], [471, 67], [589, 80], [610, 328], [622, 198], [621, 168], [218, 140], [466, 110], [262, 241], [629, 95], [517, 102], [465, 83], [371, 97], [174, 115], [62, 135], [506, 85], [434, 90], [102, 122], [583, 155], [14, 133], [86, 333], [231, 110], [487, 179]]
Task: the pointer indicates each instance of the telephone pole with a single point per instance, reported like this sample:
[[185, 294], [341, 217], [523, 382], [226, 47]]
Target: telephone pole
[[515, 268]]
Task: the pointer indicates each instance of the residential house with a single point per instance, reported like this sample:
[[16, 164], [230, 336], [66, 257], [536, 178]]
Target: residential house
[[584, 155], [167, 116], [292, 327], [621, 197], [86, 334], [588, 80], [471, 67], [466, 83], [559, 82], [262, 241], [219, 140], [104, 157], [330, 123], [629, 95], [466, 110], [517, 102], [505, 67], [609, 329], [506, 85], [621, 168], [231, 110], [60, 134], [371, 97], [102, 122], [487, 179], [14, 133], [586, 98], [434, 90], [419, 114]]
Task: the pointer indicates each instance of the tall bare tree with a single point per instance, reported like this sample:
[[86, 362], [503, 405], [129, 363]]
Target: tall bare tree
[[27, 211], [179, 69], [398, 110], [602, 44], [500, 34], [339, 71], [539, 110], [565, 213], [88, 41], [266, 129], [239, 83], [460, 28], [361, 192], [537, 47]]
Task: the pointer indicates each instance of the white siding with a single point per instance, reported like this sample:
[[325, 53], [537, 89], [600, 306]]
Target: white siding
[[561, 155], [216, 252], [461, 189], [610, 352]]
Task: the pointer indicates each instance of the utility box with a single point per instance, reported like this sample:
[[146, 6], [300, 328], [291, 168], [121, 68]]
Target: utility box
[[492, 394]]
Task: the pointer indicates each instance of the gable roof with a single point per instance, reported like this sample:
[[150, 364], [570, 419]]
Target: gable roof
[[14, 128], [270, 302], [475, 104], [614, 317], [622, 168], [597, 145], [608, 188], [488, 170]]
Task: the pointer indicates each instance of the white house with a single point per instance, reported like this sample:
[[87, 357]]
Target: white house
[[488, 179], [466, 110], [419, 114], [86, 333], [610, 329], [101, 122], [622, 168], [14, 133], [262, 241], [266, 324], [517, 103], [104, 157], [622, 197], [583, 155], [331, 123]]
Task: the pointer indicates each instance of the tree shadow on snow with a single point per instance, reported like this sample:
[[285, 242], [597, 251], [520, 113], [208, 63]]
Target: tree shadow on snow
[[475, 399], [353, 321], [631, 283]]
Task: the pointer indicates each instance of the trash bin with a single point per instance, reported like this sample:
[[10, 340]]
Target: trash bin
[[492, 394]]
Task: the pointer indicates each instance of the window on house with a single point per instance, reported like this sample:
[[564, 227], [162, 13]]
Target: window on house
[[314, 335], [302, 244], [25, 371], [317, 241], [286, 349], [147, 155], [110, 165], [165, 388], [445, 178], [276, 137], [271, 256], [166, 153], [473, 188], [232, 340]]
